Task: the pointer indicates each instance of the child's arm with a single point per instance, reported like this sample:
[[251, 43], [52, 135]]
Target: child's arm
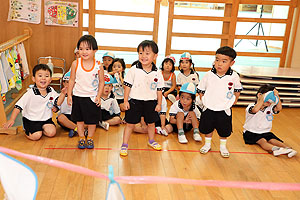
[[62, 96], [100, 86], [71, 82], [173, 86], [237, 95], [259, 103], [159, 99], [12, 119], [126, 96], [278, 107]]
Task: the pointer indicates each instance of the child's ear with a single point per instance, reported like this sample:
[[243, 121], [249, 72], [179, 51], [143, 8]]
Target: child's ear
[[33, 79], [232, 62]]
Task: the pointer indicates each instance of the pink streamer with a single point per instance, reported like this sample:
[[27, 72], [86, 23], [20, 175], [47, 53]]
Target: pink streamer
[[157, 179]]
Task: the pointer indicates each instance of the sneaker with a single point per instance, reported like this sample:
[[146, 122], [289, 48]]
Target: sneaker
[[182, 139], [90, 144], [155, 145], [282, 151], [292, 153], [164, 132], [158, 130], [197, 137], [72, 133], [104, 125], [172, 98], [81, 144], [124, 151]]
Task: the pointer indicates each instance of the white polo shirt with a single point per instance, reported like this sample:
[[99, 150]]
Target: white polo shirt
[[65, 108], [260, 122], [111, 105], [36, 107], [176, 107], [144, 85], [191, 78], [86, 81], [219, 91]]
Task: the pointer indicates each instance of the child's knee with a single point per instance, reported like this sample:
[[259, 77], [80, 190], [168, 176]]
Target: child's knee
[[35, 136], [49, 130]]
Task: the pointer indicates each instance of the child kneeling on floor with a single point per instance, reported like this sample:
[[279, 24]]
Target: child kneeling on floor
[[184, 115], [258, 124], [110, 109]]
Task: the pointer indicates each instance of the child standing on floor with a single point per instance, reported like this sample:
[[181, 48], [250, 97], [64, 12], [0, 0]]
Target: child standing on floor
[[110, 109], [36, 105], [168, 68], [219, 89], [64, 117], [184, 115], [258, 124], [187, 71], [143, 94], [85, 88], [107, 58], [117, 70]]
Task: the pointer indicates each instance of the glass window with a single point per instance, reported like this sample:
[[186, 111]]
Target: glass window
[[197, 44], [257, 61], [252, 28], [144, 6], [258, 46], [196, 26], [85, 4], [263, 11], [85, 21], [199, 9]]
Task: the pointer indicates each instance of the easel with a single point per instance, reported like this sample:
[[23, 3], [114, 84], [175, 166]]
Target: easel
[[260, 27], [4, 111]]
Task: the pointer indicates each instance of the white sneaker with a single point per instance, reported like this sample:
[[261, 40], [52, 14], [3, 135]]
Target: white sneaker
[[164, 132], [197, 137], [172, 98], [158, 130], [104, 125], [182, 139], [282, 151], [292, 153]]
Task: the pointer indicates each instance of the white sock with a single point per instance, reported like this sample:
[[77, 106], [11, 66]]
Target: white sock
[[223, 144], [274, 148]]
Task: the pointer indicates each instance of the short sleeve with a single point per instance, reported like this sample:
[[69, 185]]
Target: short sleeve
[[202, 84], [116, 107], [21, 104], [173, 109], [237, 83], [128, 80], [161, 82]]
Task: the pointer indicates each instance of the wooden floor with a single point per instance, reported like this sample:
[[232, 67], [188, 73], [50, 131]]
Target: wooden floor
[[59, 184]]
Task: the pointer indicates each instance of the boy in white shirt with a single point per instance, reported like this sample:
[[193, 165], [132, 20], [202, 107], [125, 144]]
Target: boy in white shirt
[[143, 94], [36, 106]]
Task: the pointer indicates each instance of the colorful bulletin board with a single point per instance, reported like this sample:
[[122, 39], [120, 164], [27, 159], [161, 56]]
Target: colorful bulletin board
[[60, 13], [25, 11]]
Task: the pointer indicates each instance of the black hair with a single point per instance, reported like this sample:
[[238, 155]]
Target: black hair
[[90, 40], [192, 95], [265, 88], [134, 63], [120, 60], [41, 67], [166, 60], [227, 51], [148, 43]]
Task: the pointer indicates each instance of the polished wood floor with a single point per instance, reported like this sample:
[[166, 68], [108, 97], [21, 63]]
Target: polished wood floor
[[55, 183]]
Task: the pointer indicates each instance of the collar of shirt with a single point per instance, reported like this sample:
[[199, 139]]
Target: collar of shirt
[[139, 66], [229, 71], [191, 108], [36, 91]]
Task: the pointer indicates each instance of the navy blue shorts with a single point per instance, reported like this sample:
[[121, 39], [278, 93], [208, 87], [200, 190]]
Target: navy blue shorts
[[34, 126], [252, 138]]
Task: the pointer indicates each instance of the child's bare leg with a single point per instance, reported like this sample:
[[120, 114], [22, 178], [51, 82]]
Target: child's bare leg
[[277, 143], [265, 145], [91, 130], [114, 121], [195, 124], [66, 122], [138, 128], [49, 130], [127, 132], [162, 121], [35, 136], [80, 129], [277, 147], [169, 128], [151, 131]]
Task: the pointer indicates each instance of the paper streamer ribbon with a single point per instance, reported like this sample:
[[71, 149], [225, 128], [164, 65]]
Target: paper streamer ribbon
[[157, 179]]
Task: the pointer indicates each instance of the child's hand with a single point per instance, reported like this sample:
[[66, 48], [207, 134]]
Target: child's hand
[[64, 90], [98, 101], [165, 95], [276, 93], [8, 124], [69, 100], [260, 97], [158, 108], [54, 109], [126, 105]]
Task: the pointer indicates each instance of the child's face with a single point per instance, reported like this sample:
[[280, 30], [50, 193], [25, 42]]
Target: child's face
[[107, 89], [146, 56], [222, 64], [185, 65], [86, 52], [168, 65], [66, 84], [117, 67], [42, 79], [107, 61], [185, 100]]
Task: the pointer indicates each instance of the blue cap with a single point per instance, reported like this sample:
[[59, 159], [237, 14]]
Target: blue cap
[[109, 79], [109, 54], [67, 76], [188, 88], [186, 56], [271, 97]]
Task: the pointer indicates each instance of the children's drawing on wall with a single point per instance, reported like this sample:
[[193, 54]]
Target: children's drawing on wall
[[25, 11], [61, 13]]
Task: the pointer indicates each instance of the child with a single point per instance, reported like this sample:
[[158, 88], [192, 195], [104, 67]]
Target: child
[[219, 90], [76, 53], [258, 124], [64, 118], [110, 109], [184, 115], [85, 88], [168, 68], [107, 59], [187, 71], [143, 94], [36, 106], [117, 70]]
